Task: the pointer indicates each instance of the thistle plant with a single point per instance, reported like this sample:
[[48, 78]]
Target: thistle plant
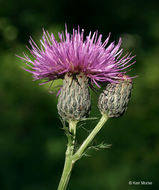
[[82, 63]]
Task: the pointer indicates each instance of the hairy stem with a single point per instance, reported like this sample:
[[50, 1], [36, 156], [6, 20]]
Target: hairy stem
[[72, 157], [68, 156], [89, 139]]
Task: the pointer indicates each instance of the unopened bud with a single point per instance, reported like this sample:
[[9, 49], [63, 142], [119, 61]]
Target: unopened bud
[[74, 100], [114, 99]]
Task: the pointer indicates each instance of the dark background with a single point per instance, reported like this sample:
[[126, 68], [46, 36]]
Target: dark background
[[32, 143]]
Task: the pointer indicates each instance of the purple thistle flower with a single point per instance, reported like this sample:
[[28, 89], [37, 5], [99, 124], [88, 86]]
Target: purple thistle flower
[[73, 54]]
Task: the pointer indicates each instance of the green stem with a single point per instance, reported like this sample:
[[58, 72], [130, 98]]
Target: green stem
[[68, 156], [89, 139], [72, 157]]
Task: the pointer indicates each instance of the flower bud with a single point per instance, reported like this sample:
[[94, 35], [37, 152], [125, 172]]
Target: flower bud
[[114, 99], [74, 100]]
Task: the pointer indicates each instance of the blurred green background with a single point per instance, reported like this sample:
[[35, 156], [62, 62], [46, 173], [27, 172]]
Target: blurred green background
[[32, 144]]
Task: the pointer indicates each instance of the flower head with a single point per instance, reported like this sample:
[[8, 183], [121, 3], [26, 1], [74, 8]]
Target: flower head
[[114, 99], [74, 101], [74, 54]]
